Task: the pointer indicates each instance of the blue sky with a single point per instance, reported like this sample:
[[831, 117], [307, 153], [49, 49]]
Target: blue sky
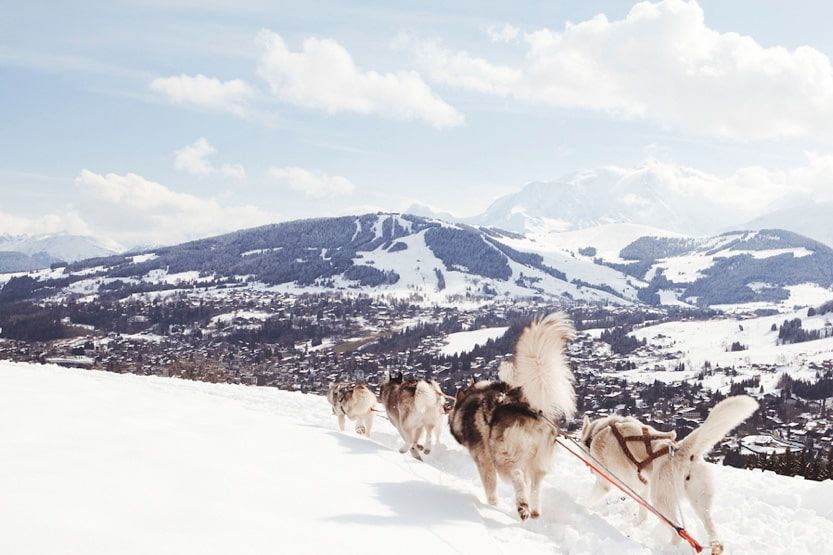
[[147, 122]]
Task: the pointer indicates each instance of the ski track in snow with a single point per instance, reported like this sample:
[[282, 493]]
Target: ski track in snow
[[103, 463]]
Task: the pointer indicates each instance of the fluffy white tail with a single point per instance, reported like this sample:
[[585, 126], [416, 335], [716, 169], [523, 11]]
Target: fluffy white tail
[[541, 370], [426, 397], [723, 418]]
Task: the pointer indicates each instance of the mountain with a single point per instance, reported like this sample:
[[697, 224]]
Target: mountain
[[813, 219], [385, 253], [405, 255], [257, 470], [654, 194], [21, 253], [767, 266]]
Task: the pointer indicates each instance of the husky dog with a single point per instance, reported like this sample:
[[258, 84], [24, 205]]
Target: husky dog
[[413, 407], [509, 426], [356, 402], [652, 463]]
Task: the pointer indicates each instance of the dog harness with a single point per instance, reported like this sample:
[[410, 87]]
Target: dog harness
[[646, 437]]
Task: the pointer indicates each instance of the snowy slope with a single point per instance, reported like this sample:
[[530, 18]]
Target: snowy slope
[[655, 194], [59, 246], [465, 341], [390, 254], [695, 342], [103, 463]]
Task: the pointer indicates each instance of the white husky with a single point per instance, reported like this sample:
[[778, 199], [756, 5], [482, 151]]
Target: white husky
[[651, 462]]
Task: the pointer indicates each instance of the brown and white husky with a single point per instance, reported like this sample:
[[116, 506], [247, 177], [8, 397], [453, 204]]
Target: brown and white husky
[[654, 465], [509, 426], [354, 401], [413, 407]]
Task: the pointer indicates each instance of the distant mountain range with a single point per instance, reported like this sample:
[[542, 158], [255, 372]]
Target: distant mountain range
[[22, 253], [659, 195], [403, 254]]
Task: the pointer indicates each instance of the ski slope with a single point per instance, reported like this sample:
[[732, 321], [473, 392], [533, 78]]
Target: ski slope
[[97, 463]]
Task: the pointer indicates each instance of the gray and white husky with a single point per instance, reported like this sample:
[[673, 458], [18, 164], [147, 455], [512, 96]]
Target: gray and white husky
[[509, 426], [414, 407], [654, 465], [353, 401]]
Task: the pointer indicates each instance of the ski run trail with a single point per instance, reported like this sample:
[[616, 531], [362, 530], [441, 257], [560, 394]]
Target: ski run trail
[[96, 463]]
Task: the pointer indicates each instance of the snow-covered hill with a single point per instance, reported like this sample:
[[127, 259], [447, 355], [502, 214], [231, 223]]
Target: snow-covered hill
[[654, 194], [763, 356], [809, 218], [397, 254], [42, 250], [104, 463]]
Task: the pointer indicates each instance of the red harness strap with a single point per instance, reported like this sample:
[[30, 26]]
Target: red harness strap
[[647, 437]]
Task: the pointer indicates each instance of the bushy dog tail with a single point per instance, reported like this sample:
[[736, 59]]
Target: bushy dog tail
[[724, 417], [426, 397], [540, 368]]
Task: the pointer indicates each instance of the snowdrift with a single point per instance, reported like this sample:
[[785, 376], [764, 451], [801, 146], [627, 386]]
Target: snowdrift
[[94, 463]]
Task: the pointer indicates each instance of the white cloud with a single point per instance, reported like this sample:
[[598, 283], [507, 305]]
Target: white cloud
[[206, 92], [193, 159], [234, 171], [460, 69], [504, 33], [313, 184], [134, 210], [68, 221], [660, 63], [323, 76]]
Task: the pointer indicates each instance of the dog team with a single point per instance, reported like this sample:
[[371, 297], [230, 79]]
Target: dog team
[[509, 427]]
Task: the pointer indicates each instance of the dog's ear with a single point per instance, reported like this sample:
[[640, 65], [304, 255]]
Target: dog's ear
[[460, 394], [585, 423]]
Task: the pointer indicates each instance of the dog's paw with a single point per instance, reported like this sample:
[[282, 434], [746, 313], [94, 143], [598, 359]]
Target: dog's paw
[[523, 511], [717, 548], [427, 450], [420, 447], [361, 430], [491, 500], [535, 513], [403, 448]]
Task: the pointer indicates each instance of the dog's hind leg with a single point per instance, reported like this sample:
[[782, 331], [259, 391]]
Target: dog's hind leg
[[368, 423], [665, 498], [488, 475], [414, 445], [341, 421], [429, 437], [438, 431], [521, 499], [600, 489], [535, 479], [700, 491]]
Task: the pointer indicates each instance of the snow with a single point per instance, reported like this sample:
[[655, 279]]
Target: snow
[[229, 317], [139, 258], [465, 341], [695, 342], [100, 463]]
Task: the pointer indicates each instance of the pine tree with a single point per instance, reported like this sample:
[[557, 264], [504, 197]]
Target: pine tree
[[828, 474], [787, 466]]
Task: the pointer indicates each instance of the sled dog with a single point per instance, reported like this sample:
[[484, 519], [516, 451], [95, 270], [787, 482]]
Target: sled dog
[[509, 426], [414, 407], [658, 467], [354, 401]]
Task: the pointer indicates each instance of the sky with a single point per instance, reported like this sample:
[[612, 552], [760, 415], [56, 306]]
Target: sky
[[148, 122]]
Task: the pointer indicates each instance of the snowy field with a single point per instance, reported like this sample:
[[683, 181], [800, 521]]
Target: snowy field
[[465, 341], [696, 342], [97, 463]]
